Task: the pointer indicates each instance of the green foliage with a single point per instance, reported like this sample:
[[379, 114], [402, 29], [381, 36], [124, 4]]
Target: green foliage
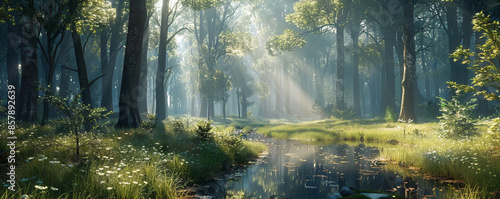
[[390, 115], [455, 119], [285, 42], [249, 113], [178, 127], [149, 124], [201, 4], [484, 62], [342, 114], [238, 44], [311, 14], [494, 131], [2, 108], [78, 114], [213, 83], [203, 130]]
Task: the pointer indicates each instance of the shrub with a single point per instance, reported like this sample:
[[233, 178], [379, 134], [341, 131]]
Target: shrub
[[390, 116], [203, 130], [342, 114], [178, 127], [455, 119], [78, 114], [150, 124]]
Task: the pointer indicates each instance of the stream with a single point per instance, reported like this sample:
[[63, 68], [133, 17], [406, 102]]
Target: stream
[[292, 169]]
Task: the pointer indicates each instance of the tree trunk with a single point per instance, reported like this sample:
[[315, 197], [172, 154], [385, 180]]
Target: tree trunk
[[339, 80], [109, 68], [426, 78], [143, 80], [161, 112], [407, 112], [355, 68], [82, 71], [27, 104], [244, 105], [389, 87], [12, 59], [129, 110]]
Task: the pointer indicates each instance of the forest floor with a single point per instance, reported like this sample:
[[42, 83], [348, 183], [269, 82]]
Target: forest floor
[[471, 163], [159, 162]]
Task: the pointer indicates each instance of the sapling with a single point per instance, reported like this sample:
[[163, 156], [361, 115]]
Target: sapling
[[78, 114]]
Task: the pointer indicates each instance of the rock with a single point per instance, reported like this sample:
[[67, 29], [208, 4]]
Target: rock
[[346, 191], [375, 195], [335, 196]]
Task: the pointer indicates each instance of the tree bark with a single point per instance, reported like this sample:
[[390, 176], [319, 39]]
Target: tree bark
[[407, 112], [82, 71], [12, 59], [389, 88], [129, 111], [109, 68], [27, 104], [161, 111], [143, 80], [355, 70]]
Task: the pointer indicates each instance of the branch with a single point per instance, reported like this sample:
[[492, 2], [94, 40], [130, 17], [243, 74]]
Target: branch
[[74, 70], [94, 80]]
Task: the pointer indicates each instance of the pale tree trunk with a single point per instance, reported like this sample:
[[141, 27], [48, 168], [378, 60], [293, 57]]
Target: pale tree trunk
[[27, 105], [407, 112], [129, 111]]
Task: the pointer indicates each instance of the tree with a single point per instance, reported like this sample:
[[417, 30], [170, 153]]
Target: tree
[[129, 112], [168, 16], [485, 62], [27, 105], [407, 112]]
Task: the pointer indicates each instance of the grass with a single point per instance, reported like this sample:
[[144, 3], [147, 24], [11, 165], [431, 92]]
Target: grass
[[136, 163], [475, 161]]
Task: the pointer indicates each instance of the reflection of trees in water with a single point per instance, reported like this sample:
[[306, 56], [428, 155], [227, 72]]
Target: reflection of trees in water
[[296, 170]]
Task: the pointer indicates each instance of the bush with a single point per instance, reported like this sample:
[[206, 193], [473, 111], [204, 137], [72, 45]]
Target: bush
[[203, 130], [178, 127], [390, 116], [455, 119], [342, 114], [150, 124]]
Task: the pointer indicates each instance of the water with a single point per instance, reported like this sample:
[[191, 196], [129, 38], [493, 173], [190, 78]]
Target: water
[[293, 169]]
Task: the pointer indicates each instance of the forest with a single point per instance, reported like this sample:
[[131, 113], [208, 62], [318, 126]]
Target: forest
[[250, 99]]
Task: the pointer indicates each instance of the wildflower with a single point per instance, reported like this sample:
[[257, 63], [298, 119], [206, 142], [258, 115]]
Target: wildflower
[[41, 187], [54, 188]]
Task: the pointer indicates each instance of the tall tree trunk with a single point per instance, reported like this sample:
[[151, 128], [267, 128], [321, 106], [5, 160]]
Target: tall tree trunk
[[407, 112], [143, 80], [129, 110], [355, 70], [82, 71], [339, 80], [244, 111], [114, 48], [426, 78], [161, 113], [12, 59], [27, 104], [389, 87], [104, 61]]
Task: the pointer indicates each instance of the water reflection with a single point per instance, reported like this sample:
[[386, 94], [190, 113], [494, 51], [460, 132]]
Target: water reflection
[[296, 170]]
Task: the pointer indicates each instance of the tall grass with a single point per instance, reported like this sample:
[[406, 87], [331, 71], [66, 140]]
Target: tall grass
[[134, 163]]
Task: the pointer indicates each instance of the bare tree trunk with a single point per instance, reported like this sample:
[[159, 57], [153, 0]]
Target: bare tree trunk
[[389, 87], [161, 113], [355, 68], [109, 68], [143, 80], [129, 110], [27, 104], [82, 72], [12, 59], [407, 112]]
